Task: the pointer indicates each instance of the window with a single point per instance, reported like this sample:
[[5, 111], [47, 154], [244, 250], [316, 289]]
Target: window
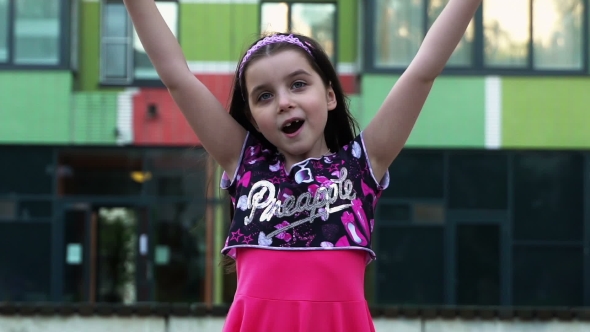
[[548, 197], [316, 20], [417, 175], [548, 276], [180, 259], [101, 172], [478, 181], [4, 14], [32, 33], [26, 170], [410, 265], [477, 264], [26, 273], [123, 58], [535, 35]]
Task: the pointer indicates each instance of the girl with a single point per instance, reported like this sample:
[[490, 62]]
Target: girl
[[303, 184]]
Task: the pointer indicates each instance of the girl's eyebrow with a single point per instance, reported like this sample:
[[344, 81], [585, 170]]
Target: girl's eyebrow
[[299, 72], [291, 75]]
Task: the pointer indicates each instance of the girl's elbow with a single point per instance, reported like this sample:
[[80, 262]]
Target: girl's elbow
[[425, 74]]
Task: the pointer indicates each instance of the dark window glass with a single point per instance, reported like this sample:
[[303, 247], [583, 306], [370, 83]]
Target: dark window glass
[[410, 265], [478, 181], [478, 265], [102, 172], [35, 209], [548, 196], [8, 209], [26, 170], [548, 276], [394, 212], [102, 182], [76, 252], [183, 184], [429, 213], [181, 172], [416, 174], [179, 252], [419, 212], [25, 261]]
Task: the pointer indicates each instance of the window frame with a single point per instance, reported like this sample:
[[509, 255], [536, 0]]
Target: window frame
[[130, 80], [477, 57], [505, 218], [65, 42], [289, 18]]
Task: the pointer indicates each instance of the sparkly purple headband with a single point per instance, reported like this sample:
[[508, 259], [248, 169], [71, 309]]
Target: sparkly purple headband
[[272, 40]]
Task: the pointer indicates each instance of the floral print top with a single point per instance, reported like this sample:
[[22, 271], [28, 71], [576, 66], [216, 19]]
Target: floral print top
[[325, 203]]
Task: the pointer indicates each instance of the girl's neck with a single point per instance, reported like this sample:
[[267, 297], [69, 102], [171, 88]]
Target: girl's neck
[[289, 161]]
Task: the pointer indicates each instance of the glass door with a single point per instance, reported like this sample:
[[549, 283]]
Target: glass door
[[107, 256], [78, 259]]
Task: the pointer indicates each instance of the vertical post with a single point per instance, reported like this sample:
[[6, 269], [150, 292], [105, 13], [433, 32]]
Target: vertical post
[[93, 247], [57, 234], [449, 239], [220, 233], [506, 240], [586, 256]]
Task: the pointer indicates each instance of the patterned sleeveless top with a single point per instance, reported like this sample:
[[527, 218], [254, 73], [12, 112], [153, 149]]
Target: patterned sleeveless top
[[325, 203]]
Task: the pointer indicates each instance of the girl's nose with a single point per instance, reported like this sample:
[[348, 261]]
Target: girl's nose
[[285, 102]]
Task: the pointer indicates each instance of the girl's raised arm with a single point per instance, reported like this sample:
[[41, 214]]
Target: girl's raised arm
[[219, 133], [387, 133]]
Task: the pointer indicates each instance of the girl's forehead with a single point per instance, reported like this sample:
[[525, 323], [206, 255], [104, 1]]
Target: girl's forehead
[[284, 57], [276, 66]]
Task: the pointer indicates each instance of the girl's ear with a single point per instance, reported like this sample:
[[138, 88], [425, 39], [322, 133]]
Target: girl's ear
[[331, 98]]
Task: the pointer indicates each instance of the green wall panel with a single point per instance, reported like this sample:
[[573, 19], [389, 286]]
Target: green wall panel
[[222, 32], [217, 32], [94, 117], [347, 30], [89, 50], [35, 107], [454, 114], [355, 106], [545, 112]]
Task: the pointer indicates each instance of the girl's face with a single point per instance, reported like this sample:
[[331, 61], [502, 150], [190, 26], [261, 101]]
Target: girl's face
[[289, 104]]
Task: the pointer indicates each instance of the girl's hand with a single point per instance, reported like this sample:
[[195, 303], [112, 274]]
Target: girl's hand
[[388, 132], [202, 110]]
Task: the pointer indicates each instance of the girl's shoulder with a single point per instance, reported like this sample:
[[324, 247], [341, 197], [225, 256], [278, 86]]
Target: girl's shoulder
[[253, 155], [354, 156], [351, 159]]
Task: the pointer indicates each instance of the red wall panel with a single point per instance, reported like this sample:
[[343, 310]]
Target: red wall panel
[[168, 126]]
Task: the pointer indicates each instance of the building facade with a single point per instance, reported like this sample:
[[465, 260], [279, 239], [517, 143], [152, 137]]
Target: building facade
[[106, 195]]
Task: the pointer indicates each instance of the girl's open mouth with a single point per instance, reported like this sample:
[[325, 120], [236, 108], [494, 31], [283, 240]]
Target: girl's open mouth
[[292, 127]]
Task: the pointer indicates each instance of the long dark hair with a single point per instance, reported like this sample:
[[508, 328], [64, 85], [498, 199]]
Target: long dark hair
[[341, 127]]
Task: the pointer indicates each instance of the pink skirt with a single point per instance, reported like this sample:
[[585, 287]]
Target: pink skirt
[[300, 291]]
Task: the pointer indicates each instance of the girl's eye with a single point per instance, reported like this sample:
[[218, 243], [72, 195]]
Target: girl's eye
[[298, 85], [264, 96]]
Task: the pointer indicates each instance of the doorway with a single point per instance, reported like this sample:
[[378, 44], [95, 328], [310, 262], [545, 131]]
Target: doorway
[[106, 254]]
